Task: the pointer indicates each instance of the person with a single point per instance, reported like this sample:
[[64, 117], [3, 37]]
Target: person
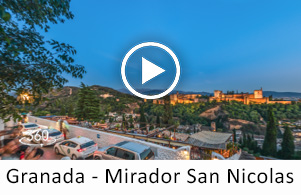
[[12, 150], [65, 131], [10, 147]]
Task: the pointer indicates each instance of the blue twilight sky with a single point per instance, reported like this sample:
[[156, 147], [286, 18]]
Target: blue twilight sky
[[226, 45]]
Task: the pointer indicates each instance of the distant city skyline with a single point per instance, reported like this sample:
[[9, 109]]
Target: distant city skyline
[[221, 45]]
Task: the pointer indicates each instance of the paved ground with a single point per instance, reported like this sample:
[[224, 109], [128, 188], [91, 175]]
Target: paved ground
[[49, 154]]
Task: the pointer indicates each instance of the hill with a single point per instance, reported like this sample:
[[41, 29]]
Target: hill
[[63, 101]]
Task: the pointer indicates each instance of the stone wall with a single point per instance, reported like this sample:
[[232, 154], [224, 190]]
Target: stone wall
[[104, 139]]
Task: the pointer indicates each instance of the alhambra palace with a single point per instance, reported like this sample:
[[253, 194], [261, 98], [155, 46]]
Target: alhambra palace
[[246, 98], [180, 99]]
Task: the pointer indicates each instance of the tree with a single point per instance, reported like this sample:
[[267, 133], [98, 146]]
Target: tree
[[288, 146], [29, 63], [71, 110], [142, 117], [63, 111], [158, 121], [244, 140], [167, 115], [270, 141], [240, 142], [151, 127], [88, 104], [234, 135], [271, 98], [249, 141], [131, 121], [124, 123], [254, 116]]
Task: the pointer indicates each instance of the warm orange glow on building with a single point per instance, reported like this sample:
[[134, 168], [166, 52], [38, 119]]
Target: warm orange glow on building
[[180, 99], [246, 98]]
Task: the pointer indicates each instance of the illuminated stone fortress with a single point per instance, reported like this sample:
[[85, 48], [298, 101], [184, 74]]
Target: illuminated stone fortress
[[246, 98], [219, 96], [180, 99]]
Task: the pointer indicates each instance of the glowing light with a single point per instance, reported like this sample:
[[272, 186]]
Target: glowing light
[[24, 97]]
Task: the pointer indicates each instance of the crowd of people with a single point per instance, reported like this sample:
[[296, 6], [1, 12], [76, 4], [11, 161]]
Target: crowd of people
[[12, 149]]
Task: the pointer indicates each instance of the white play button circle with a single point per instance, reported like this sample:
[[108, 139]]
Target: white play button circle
[[150, 70]]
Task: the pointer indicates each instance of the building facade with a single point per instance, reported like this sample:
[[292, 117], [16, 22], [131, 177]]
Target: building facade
[[180, 99], [246, 98]]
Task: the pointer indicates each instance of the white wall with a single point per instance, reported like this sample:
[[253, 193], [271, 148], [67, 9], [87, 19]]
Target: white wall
[[9, 123], [105, 139], [1, 125]]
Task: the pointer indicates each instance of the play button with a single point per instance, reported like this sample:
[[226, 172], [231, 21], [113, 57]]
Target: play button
[[142, 69], [150, 70]]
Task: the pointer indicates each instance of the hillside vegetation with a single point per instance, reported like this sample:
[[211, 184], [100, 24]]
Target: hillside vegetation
[[63, 101], [227, 115]]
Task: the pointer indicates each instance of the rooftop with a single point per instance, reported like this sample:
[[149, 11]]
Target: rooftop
[[209, 139]]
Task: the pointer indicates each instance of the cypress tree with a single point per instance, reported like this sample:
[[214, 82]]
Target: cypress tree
[[288, 146], [244, 142], [234, 135], [63, 111], [71, 110], [249, 141], [167, 115], [158, 121], [88, 105], [240, 142], [80, 115], [142, 117], [124, 122], [270, 141], [131, 120]]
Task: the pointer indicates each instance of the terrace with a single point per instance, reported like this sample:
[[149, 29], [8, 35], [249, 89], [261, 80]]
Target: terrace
[[200, 143]]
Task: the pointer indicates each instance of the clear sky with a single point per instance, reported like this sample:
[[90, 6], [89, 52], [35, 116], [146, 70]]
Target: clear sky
[[227, 45]]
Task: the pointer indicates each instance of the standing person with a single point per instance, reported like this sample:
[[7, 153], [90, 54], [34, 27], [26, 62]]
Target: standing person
[[64, 131], [60, 122], [61, 128]]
